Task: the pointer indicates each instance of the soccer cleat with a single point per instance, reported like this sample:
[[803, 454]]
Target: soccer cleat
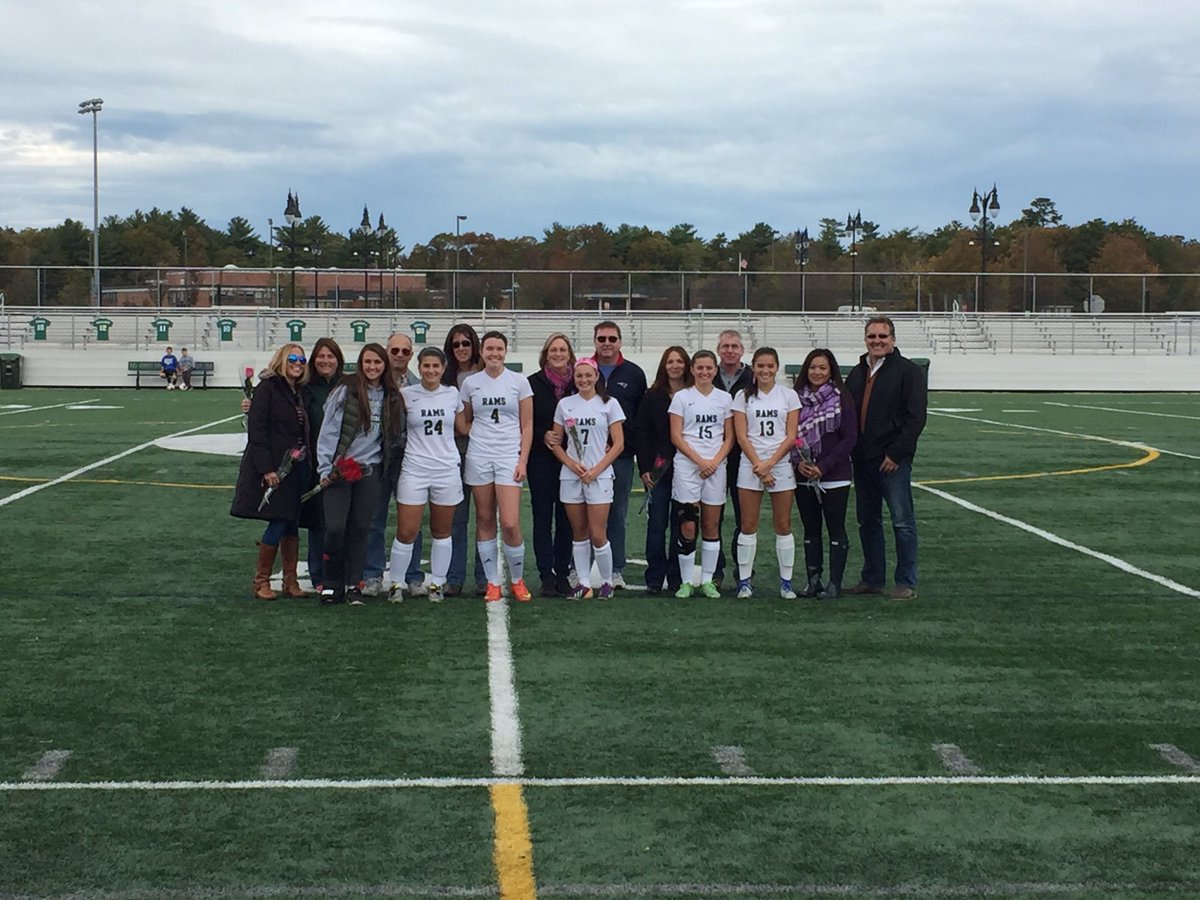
[[435, 593], [710, 590], [685, 591], [520, 591], [417, 589], [785, 589], [372, 587], [354, 597], [492, 594], [618, 581], [606, 592], [582, 592], [744, 590], [396, 594]]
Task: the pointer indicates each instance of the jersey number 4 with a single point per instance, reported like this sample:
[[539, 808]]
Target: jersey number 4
[[495, 415]]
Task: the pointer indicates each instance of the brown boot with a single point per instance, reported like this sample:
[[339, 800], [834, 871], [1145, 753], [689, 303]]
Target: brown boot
[[262, 575], [289, 549]]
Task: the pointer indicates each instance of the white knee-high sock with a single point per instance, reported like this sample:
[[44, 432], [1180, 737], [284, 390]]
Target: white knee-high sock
[[582, 552], [401, 557], [515, 557], [785, 552], [487, 555], [747, 547], [687, 567], [439, 559], [604, 562], [709, 551]]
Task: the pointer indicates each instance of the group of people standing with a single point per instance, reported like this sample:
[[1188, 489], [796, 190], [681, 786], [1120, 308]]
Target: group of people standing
[[707, 429]]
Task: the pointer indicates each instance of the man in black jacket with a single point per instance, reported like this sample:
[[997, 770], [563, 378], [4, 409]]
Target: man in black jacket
[[889, 394], [733, 375]]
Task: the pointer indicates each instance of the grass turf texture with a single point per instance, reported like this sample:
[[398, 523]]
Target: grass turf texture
[[127, 639]]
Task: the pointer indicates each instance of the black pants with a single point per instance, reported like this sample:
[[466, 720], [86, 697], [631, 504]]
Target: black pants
[[831, 506], [551, 530], [348, 511]]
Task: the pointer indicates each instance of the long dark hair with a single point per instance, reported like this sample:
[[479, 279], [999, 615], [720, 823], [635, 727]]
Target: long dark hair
[[358, 385], [332, 346], [450, 374], [601, 387], [662, 381], [835, 374], [751, 390]]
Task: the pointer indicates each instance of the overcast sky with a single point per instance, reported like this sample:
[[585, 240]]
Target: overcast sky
[[520, 113]]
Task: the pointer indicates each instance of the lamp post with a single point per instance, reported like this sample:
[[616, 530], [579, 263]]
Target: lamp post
[[315, 249], [271, 238], [854, 226], [458, 220], [981, 206], [291, 215], [94, 106], [802, 243]]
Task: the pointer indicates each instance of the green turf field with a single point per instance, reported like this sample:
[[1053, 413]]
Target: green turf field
[[1030, 726]]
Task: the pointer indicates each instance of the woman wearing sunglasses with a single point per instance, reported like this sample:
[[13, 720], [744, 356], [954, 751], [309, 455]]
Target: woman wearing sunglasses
[[276, 429], [461, 350], [364, 418]]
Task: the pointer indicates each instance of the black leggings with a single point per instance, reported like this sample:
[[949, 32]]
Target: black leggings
[[831, 504], [348, 512]]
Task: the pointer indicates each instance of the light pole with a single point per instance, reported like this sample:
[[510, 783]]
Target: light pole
[[94, 106], [854, 226], [981, 206], [291, 215], [458, 220], [271, 238], [802, 243]]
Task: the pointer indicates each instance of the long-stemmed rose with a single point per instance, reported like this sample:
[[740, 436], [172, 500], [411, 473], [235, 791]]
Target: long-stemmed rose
[[661, 464], [573, 432], [345, 468], [290, 458]]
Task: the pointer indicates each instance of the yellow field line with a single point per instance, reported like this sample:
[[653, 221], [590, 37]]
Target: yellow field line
[[171, 484], [1150, 456], [512, 852]]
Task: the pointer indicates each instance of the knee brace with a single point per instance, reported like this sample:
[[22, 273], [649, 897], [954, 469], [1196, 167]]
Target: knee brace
[[684, 513]]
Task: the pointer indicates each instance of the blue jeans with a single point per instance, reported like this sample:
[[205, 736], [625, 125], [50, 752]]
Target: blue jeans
[[277, 530], [460, 542], [662, 563], [622, 485], [379, 548], [871, 489]]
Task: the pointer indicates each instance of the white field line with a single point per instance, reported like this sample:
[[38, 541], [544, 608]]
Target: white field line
[[955, 760], [1113, 561], [1135, 445], [375, 784], [12, 498], [1128, 412], [48, 766], [17, 412], [506, 722], [1176, 757]]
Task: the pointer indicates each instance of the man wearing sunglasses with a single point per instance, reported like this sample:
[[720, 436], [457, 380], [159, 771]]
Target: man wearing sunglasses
[[889, 395], [400, 350], [626, 383]]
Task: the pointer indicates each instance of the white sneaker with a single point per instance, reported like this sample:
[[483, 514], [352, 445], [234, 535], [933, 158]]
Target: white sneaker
[[372, 587], [417, 589], [618, 581], [744, 590], [435, 593], [395, 595]]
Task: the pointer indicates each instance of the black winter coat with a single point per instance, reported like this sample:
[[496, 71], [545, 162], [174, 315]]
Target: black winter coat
[[275, 424], [896, 413], [544, 405]]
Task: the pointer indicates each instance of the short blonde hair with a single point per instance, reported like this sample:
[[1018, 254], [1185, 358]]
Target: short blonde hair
[[278, 363]]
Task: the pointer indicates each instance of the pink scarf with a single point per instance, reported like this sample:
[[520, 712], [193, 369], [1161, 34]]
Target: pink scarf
[[560, 383]]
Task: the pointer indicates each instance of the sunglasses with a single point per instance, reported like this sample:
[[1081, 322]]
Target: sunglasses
[[607, 339], [456, 344], [296, 358], [401, 351], [877, 337]]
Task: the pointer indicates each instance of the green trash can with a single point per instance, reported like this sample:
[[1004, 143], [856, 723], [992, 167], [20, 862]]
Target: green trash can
[[10, 371]]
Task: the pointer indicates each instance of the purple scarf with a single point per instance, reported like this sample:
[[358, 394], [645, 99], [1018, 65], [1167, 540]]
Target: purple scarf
[[560, 383], [820, 414]]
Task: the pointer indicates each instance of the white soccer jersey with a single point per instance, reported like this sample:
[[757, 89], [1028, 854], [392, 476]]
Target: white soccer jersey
[[592, 420], [766, 417], [431, 449], [703, 419], [496, 406]]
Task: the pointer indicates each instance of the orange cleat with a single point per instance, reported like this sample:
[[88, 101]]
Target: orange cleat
[[520, 591], [493, 593]]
